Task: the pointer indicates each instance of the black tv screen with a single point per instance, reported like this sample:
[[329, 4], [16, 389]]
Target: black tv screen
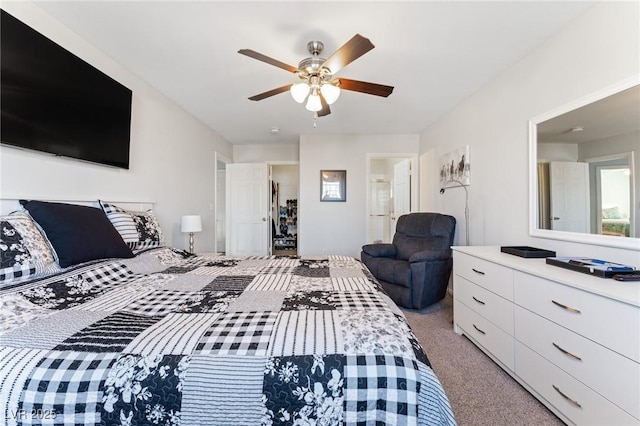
[[53, 101]]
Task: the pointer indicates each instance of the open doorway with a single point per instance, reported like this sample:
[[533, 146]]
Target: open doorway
[[392, 192], [284, 209]]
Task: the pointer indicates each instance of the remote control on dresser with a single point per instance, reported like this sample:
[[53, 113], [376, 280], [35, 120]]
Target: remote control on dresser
[[627, 277]]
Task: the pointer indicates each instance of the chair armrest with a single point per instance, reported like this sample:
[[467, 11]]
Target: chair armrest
[[380, 250], [430, 255]]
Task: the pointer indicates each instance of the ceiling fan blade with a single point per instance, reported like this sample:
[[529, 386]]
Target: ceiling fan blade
[[261, 96], [348, 53], [364, 87], [325, 107], [259, 56]]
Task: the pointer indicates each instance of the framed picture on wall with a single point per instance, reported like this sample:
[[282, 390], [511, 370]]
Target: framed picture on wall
[[455, 167], [333, 185]]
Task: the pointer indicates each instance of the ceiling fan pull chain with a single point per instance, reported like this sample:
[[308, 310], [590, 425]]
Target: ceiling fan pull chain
[[315, 117]]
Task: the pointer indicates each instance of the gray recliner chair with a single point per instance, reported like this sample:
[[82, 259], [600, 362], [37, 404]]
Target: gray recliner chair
[[414, 269]]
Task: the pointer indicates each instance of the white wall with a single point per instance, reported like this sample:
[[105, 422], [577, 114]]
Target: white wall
[[265, 153], [340, 227], [172, 154], [600, 48]]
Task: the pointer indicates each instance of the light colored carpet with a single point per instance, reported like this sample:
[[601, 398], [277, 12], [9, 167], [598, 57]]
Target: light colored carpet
[[479, 391]]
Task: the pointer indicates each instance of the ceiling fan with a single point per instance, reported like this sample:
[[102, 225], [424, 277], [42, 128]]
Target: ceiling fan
[[317, 82]]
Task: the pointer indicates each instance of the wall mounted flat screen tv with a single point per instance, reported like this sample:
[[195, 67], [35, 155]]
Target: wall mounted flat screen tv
[[53, 101]]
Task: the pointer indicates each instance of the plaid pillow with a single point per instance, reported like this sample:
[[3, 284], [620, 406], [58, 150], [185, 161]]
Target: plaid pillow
[[139, 229], [24, 252]]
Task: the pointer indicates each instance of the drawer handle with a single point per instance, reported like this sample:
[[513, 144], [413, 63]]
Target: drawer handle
[[573, 401], [567, 352], [478, 330], [479, 301], [477, 272], [568, 308]]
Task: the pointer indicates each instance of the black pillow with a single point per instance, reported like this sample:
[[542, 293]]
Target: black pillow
[[77, 233]]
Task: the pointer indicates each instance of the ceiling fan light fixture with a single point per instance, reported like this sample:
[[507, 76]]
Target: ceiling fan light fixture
[[330, 92], [316, 84], [299, 92], [313, 103]]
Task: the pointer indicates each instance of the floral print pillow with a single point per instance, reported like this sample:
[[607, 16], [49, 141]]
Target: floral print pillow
[[139, 229], [24, 252]]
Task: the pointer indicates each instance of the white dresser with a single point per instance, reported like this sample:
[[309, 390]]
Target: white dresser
[[571, 339]]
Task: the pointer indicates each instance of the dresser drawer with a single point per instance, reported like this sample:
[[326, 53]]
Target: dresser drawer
[[613, 324], [601, 369], [489, 305], [580, 404], [495, 341], [491, 276]]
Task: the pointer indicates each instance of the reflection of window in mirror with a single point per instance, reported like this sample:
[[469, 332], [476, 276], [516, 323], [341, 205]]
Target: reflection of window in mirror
[[613, 200]]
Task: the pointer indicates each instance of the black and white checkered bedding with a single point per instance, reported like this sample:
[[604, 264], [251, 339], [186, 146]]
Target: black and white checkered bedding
[[167, 338]]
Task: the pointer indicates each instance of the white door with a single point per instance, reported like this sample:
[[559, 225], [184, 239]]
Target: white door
[[247, 210], [569, 204], [221, 188], [401, 191]]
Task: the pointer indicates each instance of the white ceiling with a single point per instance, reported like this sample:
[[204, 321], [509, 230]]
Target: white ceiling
[[435, 53]]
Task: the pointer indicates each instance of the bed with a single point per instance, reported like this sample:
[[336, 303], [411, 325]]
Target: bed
[[161, 336]]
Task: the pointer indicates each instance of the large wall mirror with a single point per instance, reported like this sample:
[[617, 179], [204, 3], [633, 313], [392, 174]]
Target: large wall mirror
[[584, 166]]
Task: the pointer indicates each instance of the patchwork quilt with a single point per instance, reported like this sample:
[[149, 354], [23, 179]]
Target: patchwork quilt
[[168, 338]]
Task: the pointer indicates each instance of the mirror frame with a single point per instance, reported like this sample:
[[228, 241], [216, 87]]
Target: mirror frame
[[576, 237]]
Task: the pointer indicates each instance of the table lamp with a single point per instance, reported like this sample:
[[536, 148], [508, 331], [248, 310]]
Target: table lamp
[[191, 224]]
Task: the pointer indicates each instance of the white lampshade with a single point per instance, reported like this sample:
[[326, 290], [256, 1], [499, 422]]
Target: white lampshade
[[330, 92], [191, 223], [313, 103], [299, 91]]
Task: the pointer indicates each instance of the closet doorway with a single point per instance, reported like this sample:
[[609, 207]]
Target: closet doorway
[[284, 209]]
